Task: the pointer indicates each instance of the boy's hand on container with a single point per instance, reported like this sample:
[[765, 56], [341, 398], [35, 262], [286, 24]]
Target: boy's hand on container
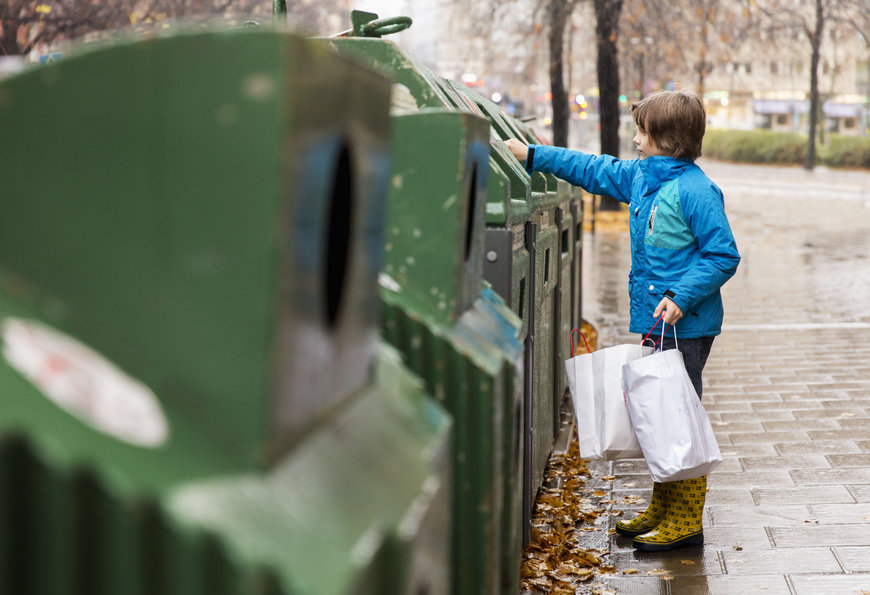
[[518, 148], [671, 311]]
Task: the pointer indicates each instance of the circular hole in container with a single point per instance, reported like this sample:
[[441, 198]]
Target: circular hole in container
[[338, 235]]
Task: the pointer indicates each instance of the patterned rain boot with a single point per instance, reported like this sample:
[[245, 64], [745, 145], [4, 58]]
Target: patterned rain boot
[[683, 524], [649, 518]]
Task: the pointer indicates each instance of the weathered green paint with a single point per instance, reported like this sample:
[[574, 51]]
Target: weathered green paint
[[300, 520], [386, 57], [185, 168], [341, 495], [511, 539], [435, 213], [552, 316], [466, 367], [536, 280], [170, 203], [459, 337], [434, 263]]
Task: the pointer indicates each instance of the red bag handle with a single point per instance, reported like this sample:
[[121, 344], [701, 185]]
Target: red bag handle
[[584, 340], [658, 320]]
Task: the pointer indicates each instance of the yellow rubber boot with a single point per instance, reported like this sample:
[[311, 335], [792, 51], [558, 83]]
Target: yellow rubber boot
[[683, 523], [649, 518]]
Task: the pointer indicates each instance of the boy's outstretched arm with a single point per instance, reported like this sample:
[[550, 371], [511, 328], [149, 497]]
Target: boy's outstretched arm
[[595, 174]]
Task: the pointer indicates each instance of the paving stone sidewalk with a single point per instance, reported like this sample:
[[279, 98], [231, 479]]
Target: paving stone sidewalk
[[787, 388]]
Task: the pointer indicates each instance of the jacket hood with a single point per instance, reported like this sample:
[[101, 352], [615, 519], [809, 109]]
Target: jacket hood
[[659, 168]]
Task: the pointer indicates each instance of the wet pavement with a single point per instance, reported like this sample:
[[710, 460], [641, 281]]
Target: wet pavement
[[787, 389]]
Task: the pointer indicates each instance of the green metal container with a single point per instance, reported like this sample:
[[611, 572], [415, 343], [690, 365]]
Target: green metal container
[[193, 396], [460, 338], [434, 217], [570, 227], [571, 231], [490, 561], [542, 239], [360, 506], [528, 228], [555, 238]]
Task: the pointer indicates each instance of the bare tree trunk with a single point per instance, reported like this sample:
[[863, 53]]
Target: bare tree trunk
[[702, 57], [9, 39], [816, 41], [559, 12], [607, 27]]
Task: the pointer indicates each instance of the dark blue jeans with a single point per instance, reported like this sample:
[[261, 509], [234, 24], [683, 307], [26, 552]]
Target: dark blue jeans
[[695, 353]]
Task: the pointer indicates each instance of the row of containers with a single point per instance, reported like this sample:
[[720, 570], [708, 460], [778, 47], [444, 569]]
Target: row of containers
[[278, 315]]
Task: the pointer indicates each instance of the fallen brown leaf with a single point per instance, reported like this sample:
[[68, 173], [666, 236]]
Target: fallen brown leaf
[[553, 561]]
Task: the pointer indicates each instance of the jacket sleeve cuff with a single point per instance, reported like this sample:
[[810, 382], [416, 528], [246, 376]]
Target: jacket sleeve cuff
[[673, 297], [530, 159]]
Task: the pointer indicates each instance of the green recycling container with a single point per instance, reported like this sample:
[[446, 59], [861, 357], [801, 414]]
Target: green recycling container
[[557, 219], [530, 258], [490, 561], [459, 336], [193, 394]]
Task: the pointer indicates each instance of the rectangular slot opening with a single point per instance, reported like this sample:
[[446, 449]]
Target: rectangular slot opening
[[521, 309], [547, 266]]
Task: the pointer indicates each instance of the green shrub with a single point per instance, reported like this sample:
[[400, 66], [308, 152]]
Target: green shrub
[[785, 148], [847, 151], [755, 146]]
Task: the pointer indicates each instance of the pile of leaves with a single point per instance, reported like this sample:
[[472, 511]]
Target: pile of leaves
[[554, 561]]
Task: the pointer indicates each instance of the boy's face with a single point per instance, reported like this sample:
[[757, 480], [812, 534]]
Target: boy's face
[[645, 145]]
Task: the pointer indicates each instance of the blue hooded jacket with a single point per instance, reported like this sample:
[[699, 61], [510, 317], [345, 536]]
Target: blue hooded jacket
[[681, 243]]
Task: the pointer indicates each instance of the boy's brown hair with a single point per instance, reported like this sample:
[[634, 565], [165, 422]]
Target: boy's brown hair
[[674, 120]]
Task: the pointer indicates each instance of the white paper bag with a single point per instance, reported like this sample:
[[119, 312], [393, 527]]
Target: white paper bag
[[671, 424], [604, 428]]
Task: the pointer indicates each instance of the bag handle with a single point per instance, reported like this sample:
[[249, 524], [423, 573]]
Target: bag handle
[[658, 320], [584, 340], [664, 328]]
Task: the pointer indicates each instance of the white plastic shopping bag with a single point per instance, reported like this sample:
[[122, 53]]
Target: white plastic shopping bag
[[671, 424], [604, 429]]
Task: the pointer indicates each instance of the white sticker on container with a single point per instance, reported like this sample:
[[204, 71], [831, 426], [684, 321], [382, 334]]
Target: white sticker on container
[[84, 383]]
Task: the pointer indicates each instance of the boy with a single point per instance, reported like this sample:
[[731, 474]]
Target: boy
[[682, 252]]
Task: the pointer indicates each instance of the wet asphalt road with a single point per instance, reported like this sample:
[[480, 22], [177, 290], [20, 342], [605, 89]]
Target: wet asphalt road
[[787, 388]]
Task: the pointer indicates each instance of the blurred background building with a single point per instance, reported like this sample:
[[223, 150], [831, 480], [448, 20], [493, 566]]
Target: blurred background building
[[751, 61], [753, 76]]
